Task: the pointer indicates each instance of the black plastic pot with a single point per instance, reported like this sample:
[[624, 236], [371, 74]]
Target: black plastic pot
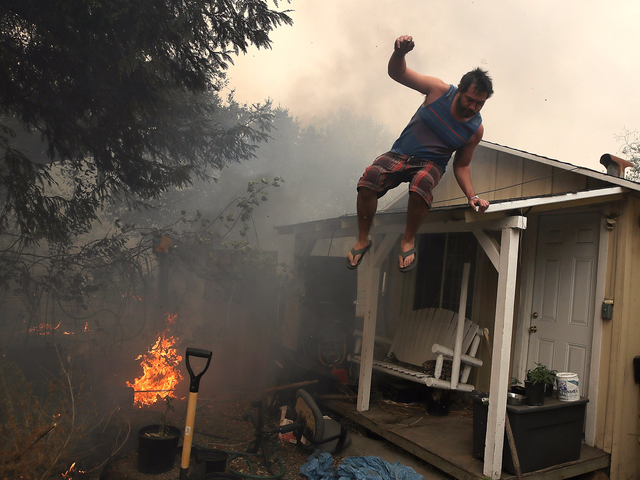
[[438, 402], [216, 460], [518, 389], [157, 454], [534, 393], [548, 390]]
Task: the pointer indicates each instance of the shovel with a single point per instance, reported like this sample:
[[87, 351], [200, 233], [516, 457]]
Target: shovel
[[191, 407]]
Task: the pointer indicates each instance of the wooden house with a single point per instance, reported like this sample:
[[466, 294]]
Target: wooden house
[[555, 277]]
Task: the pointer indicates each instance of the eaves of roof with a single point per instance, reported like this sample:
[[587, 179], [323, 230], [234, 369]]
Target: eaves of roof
[[565, 199]]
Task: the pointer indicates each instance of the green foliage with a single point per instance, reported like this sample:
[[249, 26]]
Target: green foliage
[[541, 374], [164, 417], [118, 99]]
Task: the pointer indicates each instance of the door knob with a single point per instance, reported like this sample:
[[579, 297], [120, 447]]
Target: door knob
[[534, 314], [533, 329]]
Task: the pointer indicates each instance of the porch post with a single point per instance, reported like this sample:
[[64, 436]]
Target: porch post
[[373, 264], [501, 352]]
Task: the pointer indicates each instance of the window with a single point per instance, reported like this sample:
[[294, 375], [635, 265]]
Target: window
[[440, 262]]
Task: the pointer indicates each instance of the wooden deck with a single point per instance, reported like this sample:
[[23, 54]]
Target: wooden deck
[[447, 442]]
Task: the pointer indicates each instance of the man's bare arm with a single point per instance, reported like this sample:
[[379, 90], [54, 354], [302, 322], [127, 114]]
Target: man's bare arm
[[431, 86], [462, 172]]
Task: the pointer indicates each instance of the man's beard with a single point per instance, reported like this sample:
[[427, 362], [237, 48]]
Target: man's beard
[[465, 112]]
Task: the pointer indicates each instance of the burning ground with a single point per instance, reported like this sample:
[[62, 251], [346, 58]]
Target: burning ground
[[95, 427]]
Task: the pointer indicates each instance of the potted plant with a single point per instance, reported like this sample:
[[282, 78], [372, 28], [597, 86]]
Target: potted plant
[[537, 380], [158, 444], [516, 386]]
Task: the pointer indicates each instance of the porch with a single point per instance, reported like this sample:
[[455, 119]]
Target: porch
[[447, 442]]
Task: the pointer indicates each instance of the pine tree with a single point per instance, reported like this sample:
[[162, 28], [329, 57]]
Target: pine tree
[[103, 99]]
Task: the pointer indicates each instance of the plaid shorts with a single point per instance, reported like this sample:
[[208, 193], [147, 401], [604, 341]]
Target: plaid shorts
[[391, 169]]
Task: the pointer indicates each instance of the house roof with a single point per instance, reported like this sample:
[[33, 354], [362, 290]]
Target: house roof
[[563, 165], [615, 188], [399, 203]]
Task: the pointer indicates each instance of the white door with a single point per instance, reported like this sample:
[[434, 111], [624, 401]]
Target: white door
[[563, 295]]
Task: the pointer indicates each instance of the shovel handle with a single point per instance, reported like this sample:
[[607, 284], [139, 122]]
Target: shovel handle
[[194, 386]]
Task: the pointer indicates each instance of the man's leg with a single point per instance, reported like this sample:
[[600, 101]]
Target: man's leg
[[416, 211], [366, 206]]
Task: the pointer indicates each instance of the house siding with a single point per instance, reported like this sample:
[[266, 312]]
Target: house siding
[[618, 418]]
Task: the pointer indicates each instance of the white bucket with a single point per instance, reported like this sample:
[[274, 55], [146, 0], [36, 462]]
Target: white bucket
[[568, 386]]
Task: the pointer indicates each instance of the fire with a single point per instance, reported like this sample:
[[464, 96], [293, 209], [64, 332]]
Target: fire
[[135, 297], [160, 374], [44, 328], [48, 329], [72, 468]]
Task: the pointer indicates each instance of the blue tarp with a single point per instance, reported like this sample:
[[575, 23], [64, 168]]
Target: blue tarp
[[319, 466]]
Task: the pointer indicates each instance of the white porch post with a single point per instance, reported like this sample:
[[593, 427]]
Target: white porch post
[[501, 351], [373, 265]]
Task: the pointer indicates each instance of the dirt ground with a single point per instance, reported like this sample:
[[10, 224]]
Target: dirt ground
[[222, 423]]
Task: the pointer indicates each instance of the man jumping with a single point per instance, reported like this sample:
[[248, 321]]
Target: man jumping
[[448, 121]]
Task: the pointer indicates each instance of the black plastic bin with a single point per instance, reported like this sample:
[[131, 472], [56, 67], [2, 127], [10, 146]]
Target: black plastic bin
[[545, 435]]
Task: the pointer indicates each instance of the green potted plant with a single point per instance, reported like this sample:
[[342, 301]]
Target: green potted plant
[[537, 380], [516, 386], [158, 444]]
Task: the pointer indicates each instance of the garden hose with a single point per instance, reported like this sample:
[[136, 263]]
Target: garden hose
[[247, 456]]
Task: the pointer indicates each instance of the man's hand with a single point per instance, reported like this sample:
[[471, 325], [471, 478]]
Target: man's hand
[[478, 204], [403, 45]]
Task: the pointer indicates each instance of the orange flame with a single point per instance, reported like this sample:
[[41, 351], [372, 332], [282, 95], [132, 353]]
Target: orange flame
[[44, 328], [160, 374], [135, 297], [71, 469], [48, 329]]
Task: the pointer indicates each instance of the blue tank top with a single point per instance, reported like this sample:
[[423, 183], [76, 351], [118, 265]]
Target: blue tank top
[[433, 133]]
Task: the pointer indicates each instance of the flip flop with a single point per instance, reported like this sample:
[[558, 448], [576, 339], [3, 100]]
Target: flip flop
[[404, 255], [360, 252]]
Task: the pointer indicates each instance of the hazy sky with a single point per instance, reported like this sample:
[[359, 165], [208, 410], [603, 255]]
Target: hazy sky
[[565, 72]]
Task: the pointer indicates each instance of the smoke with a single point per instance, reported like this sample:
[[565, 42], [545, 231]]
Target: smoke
[[550, 73]]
